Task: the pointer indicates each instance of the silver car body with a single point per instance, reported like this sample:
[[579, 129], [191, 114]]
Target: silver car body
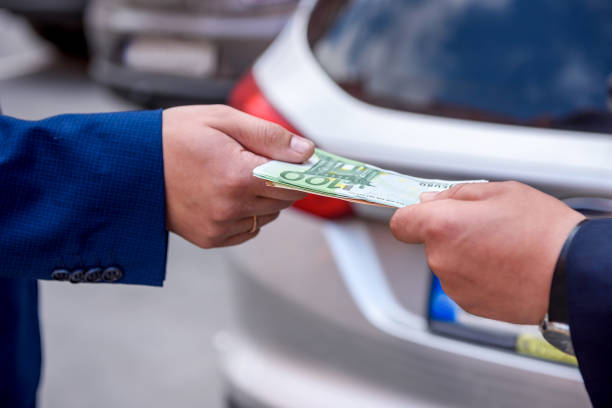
[[334, 313]]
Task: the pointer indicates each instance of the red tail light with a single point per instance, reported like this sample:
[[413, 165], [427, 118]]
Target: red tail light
[[248, 98]]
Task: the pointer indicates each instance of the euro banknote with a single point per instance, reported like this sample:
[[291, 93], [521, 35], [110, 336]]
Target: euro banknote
[[330, 175]]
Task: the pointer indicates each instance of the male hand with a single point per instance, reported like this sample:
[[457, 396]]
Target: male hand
[[209, 156], [494, 246]]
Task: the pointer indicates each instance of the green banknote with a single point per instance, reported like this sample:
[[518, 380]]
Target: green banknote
[[333, 176]]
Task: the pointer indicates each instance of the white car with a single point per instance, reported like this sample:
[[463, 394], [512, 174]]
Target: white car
[[333, 312]]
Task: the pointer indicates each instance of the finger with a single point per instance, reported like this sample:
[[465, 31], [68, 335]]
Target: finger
[[263, 137], [240, 231], [251, 186], [263, 206], [283, 194], [279, 193], [238, 239], [246, 224], [408, 223], [250, 206]]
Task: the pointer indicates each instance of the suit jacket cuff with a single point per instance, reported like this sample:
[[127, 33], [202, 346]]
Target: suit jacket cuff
[[589, 291], [84, 192]]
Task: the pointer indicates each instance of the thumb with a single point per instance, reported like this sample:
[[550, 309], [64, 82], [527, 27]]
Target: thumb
[[263, 137], [407, 224]]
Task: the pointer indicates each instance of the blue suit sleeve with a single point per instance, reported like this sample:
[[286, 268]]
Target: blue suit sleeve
[[589, 294], [80, 192]]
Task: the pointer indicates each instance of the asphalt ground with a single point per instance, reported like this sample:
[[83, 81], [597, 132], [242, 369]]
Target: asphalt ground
[[116, 345]]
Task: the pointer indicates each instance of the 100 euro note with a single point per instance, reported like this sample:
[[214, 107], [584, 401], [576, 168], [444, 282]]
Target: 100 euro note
[[333, 176]]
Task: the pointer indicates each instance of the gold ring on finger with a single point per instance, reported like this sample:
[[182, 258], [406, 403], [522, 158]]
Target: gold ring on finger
[[255, 226]]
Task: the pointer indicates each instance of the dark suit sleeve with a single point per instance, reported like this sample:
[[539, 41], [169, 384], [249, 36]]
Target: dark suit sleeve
[[83, 193], [589, 291]]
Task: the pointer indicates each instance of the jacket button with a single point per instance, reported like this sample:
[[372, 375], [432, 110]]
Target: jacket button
[[77, 276], [60, 275], [93, 275], [112, 274]]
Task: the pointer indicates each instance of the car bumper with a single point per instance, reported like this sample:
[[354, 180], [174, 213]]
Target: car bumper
[[285, 380], [315, 319]]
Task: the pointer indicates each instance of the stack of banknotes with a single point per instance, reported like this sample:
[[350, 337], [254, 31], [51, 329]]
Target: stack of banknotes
[[333, 176]]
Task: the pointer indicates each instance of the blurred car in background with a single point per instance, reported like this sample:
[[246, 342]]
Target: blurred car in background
[[59, 21], [164, 52], [333, 312]]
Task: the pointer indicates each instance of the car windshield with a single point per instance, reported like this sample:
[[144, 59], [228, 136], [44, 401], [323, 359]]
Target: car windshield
[[531, 62]]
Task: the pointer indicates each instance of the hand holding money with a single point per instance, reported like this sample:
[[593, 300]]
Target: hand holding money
[[494, 246], [210, 152]]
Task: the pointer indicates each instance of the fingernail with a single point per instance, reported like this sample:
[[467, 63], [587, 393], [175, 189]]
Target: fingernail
[[428, 196], [300, 145]]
